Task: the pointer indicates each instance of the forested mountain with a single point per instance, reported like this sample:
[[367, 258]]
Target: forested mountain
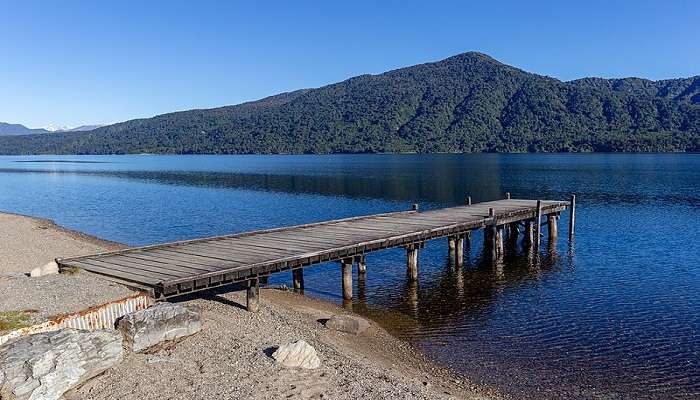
[[466, 103]]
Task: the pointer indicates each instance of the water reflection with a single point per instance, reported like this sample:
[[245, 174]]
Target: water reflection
[[445, 296]]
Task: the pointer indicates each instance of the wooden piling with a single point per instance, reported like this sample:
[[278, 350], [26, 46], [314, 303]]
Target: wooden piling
[[412, 262], [469, 200], [513, 234], [252, 295], [451, 245], [298, 278], [538, 224], [572, 217], [528, 240], [493, 233], [361, 265], [346, 268], [552, 227], [508, 195], [499, 241], [459, 252]]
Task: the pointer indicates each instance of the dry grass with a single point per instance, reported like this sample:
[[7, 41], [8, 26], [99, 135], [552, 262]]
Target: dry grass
[[11, 320]]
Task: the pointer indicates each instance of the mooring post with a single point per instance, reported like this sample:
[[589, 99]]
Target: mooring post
[[469, 200], [412, 262], [346, 268], [415, 207], [252, 295], [361, 264], [572, 217], [298, 278], [552, 227], [508, 195], [538, 224], [459, 252]]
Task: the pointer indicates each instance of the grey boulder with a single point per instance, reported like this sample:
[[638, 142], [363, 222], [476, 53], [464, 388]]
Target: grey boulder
[[162, 322], [348, 324], [297, 355], [46, 365]]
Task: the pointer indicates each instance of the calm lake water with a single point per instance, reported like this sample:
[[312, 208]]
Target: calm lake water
[[614, 315]]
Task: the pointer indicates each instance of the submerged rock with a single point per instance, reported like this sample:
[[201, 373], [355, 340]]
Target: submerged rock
[[46, 269], [348, 324], [46, 365], [297, 355], [162, 322]]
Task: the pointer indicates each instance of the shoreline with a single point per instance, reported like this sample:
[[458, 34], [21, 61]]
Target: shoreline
[[388, 366]]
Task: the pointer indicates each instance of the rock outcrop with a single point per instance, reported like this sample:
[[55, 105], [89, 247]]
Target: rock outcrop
[[348, 324], [297, 355], [46, 365], [162, 322]]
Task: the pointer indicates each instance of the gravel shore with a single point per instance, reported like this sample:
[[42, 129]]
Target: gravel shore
[[230, 357], [32, 242]]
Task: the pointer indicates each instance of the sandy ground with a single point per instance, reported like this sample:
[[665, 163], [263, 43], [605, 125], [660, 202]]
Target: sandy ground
[[230, 357], [26, 243]]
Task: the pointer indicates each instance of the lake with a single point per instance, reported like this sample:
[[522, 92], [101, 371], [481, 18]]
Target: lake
[[614, 315]]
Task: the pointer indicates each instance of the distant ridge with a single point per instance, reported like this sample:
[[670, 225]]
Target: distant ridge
[[7, 129], [466, 103], [18, 129]]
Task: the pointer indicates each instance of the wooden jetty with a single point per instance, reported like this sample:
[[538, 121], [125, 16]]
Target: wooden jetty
[[177, 268]]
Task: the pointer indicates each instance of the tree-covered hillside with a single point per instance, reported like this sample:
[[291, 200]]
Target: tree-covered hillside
[[466, 103]]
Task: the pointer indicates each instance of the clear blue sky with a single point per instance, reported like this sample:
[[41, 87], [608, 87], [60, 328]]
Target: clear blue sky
[[74, 63]]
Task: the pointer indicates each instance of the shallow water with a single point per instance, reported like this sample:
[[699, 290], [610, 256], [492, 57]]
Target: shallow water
[[616, 314]]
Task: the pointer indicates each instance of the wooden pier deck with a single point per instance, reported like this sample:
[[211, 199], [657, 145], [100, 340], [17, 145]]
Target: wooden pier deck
[[171, 269]]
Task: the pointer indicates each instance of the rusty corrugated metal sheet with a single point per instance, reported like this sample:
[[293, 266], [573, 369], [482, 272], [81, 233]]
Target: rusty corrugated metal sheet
[[99, 317]]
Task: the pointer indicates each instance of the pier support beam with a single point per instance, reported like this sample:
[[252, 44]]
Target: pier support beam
[[552, 227], [572, 217], [459, 252], [412, 262], [346, 268], [252, 295], [499, 241], [490, 237], [513, 234], [298, 278], [361, 264], [538, 225], [529, 238], [451, 246]]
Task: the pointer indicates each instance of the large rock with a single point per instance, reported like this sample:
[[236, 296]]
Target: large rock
[[46, 365], [46, 269], [348, 324], [162, 322], [297, 355]]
